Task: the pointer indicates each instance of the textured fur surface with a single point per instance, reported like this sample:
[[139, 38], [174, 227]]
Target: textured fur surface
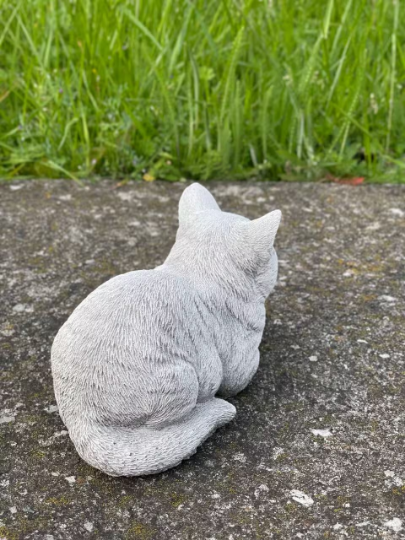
[[139, 363]]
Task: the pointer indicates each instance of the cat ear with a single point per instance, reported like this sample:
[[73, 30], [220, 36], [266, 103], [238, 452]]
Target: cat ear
[[262, 231], [195, 198]]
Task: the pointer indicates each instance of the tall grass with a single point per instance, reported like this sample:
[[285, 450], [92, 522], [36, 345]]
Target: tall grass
[[202, 89]]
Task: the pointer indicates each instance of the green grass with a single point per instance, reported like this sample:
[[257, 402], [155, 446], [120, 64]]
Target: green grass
[[293, 89]]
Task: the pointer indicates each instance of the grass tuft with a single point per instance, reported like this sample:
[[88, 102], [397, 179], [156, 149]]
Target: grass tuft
[[291, 89]]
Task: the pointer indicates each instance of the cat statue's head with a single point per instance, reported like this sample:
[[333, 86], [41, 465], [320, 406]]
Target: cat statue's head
[[225, 248]]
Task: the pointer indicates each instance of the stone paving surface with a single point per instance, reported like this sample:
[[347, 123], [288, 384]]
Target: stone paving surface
[[317, 448]]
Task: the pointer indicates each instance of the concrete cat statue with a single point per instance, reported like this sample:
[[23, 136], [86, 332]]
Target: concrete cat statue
[[138, 364]]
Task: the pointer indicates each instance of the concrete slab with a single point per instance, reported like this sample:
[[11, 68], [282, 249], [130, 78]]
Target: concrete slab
[[317, 448]]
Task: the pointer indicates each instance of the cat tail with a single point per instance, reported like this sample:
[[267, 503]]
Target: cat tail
[[127, 451]]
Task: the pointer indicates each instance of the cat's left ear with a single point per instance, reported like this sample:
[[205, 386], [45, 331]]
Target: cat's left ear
[[194, 199], [262, 231]]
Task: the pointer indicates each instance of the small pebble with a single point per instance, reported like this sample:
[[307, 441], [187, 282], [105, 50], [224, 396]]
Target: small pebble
[[51, 409], [70, 479], [88, 526], [397, 212], [301, 498], [322, 433], [395, 524]]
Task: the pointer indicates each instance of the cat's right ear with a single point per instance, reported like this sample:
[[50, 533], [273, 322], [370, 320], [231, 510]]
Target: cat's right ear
[[195, 199], [262, 231]]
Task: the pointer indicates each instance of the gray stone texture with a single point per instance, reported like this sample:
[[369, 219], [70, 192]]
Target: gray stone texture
[[317, 447]]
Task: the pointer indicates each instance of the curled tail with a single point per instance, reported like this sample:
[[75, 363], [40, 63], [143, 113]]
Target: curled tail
[[127, 451]]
